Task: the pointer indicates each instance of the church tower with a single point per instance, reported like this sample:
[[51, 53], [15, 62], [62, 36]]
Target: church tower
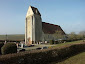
[[33, 26]]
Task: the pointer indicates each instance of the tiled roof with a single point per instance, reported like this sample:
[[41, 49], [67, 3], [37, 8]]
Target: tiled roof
[[51, 28], [35, 10]]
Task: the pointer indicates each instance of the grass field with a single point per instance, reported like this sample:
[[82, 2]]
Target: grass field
[[77, 59], [62, 44], [13, 37]]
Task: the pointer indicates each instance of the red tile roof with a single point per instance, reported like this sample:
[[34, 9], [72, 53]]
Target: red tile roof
[[51, 28]]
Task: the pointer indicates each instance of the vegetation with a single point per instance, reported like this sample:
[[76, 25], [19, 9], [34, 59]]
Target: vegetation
[[1, 44], [51, 41], [68, 43], [43, 56], [56, 42], [9, 48], [77, 59], [69, 38], [73, 37], [59, 35]]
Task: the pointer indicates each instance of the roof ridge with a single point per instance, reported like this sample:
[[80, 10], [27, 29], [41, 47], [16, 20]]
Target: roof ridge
[[50, 23]]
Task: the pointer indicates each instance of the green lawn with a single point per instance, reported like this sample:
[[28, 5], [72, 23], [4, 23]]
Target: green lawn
[[77, 59], [51, 46], [62, 44]]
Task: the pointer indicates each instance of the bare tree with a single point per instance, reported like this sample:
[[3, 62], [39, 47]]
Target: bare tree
[[58, 34]]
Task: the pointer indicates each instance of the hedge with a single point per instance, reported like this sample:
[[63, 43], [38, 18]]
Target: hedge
[[9, 48], [1, 44], [44, 56], [51, 41]]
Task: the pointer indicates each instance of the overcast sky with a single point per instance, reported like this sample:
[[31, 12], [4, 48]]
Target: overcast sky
[[69, 14]]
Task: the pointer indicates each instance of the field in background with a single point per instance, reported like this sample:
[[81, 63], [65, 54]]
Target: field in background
[[13, 37]]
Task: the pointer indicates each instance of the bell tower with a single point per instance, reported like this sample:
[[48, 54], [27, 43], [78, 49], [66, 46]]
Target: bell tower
[[33, 26]]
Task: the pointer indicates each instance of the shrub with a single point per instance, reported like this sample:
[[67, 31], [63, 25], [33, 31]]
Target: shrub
[[56, 42], [9, 48], [1, 44], [51, 42], [21, 50]]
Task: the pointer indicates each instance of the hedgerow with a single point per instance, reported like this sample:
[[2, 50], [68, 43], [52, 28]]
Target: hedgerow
[[1, 44], [42, 56]]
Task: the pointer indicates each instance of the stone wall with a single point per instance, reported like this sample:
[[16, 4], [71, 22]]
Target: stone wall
[[38, 28]]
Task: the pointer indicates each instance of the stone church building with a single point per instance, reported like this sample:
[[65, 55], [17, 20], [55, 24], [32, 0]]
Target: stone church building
[[38, 31]]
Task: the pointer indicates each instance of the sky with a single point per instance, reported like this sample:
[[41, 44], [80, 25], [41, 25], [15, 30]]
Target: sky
[[69, 14]]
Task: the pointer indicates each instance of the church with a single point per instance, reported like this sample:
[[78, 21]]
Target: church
[[38, 31]]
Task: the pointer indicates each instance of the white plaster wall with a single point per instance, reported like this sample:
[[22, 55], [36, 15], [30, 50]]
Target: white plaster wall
[[28, 25], [29, 12], [29, 28]]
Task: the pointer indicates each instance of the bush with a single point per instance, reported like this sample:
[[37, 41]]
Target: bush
[[51, 41], [21, 50], [9, 48], [1, 44], [56, 42]]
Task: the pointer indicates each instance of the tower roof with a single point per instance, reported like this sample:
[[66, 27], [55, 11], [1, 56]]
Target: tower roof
[[35, 10]]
